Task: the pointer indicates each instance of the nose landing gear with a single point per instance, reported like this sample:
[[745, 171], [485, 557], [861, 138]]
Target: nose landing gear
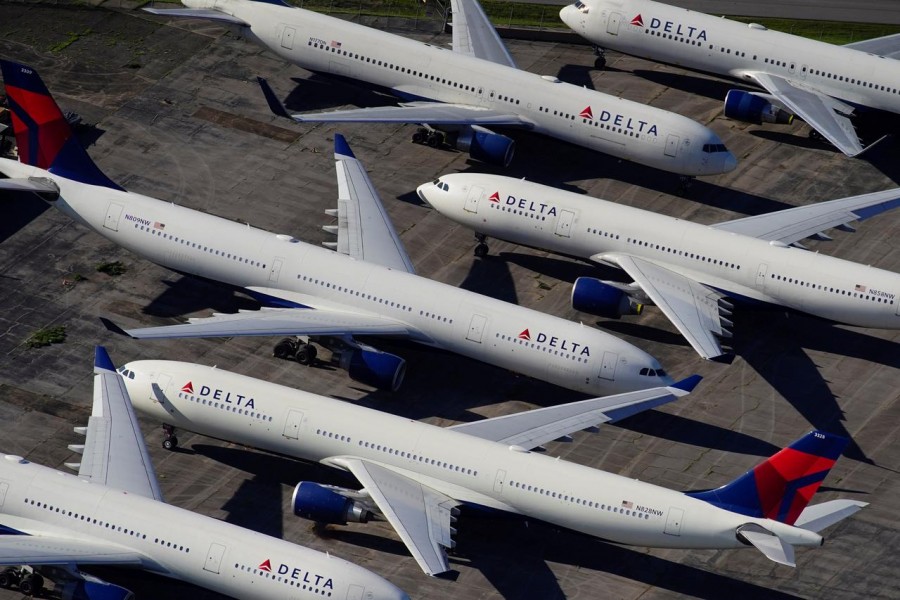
[[170, 442]]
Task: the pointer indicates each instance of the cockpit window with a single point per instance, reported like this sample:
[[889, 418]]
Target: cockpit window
[[582, 7], [713, 148], [653, 372], [445, 187]]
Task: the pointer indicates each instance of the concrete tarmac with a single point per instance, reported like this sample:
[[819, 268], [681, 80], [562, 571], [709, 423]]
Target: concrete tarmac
[[179, 117]]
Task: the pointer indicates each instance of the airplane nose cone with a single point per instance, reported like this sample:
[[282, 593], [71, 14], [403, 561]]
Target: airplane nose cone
[[730, 163], [420, 192], [566, 14]]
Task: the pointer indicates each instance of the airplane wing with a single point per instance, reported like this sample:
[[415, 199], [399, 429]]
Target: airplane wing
[[691, 306], [825, 114], [198, 13], [274, 321], [794, 224], [475, 35], [533, 428], [114, 452], [52, 549], [887, 46], [421, 516], [435, 113], [364, 230]]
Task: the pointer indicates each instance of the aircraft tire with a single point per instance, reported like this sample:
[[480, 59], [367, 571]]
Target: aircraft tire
[[31, 585], [306, 354], [170, 443], [481, 250], [285, 349], [9, 577]]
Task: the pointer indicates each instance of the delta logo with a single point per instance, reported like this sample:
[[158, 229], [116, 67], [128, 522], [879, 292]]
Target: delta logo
[[547, 210], [495, 198], [218, 394], [555, 342], [688, 31], [620, 120], [638, 20], [308, 577]]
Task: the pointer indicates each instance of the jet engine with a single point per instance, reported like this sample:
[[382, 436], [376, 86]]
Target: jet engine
[[599, 298], [751, 107], [95, 589], [324, 505], [485, 145], [373, 367]]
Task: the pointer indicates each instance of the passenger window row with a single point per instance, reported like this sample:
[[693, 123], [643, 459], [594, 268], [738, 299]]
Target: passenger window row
[[418, 458], [297, 583], [351, 292], [223, 406], [542, 347], [859, 292], [517, 211], [690, 255], [607, 234], [622, 510], [160, 233]]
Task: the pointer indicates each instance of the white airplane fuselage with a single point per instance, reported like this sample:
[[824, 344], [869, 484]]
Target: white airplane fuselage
[[513, 337], [740, 266], [715, 45], [175, 542], [469, 469], [416, 71]]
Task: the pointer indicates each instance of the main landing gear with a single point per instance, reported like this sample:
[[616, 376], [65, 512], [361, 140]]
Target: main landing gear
[[685, 182], [170, 442], [296, 349], [481, 249], [600, 57], [429, 137], [28, 582]]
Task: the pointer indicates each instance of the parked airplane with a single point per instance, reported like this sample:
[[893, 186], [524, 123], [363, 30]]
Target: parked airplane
[[112, 513], [367, 287], [692, 272], [475, 86], [823, 84], [415, 475]]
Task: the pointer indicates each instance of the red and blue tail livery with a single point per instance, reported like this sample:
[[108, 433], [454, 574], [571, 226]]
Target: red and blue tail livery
[[44, 138], [782, 486]]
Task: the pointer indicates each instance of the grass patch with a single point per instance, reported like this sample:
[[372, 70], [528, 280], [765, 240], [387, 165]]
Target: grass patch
[[113, 269], [825, 31], [46, 336], [74, 36]]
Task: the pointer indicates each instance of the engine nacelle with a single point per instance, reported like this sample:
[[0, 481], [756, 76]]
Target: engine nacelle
[[318, 503], [99, 590], [754, 108], [596, 297], [373, 367], [485, 145]]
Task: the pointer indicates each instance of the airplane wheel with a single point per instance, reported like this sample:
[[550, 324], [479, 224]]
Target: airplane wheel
[[31, 584], [815, 135], [170, 443], [306, 355], [8, 578], [600, 63], [481, 250], [285, 349], [419, 136], [434, 139]]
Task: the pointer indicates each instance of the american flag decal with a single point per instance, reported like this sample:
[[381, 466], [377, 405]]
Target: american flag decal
[[627, 504], [860, 288], [158, 225]]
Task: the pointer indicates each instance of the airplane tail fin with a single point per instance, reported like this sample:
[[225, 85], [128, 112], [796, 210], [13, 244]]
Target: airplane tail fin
[[44, 138], [782, 486]]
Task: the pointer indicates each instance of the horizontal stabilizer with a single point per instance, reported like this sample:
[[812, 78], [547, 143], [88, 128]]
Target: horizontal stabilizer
[[819, 516], [272, 100], [46, 188], [768, 543], [197, 13]]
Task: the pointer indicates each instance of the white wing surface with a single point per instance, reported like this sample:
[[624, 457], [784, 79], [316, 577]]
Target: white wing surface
[[274, 321], [475, 35], [364, 230], [794, 224], [114, 451], [434, 113], [420, 515], [887, 46], [691, 306], [197, 13], [533, 428], [50, 549], [828, 116]]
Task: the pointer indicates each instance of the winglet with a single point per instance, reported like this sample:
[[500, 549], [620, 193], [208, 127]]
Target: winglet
[[341, 147], [114, 328], [275, 104], [102, 361], [688, 383]]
